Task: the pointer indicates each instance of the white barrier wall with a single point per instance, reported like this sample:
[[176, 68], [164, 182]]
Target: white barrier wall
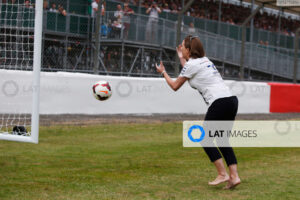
[[71, 93]]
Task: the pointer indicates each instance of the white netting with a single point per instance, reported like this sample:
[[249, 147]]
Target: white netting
[[17, 19], [16, 35]]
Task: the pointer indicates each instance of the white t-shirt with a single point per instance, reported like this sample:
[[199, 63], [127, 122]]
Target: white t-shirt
[[95, 5], [204, 77], [53, 10], [154, 13], [119, 13], [167, 10]]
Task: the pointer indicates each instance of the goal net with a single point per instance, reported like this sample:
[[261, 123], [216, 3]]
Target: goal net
[[20, 60]]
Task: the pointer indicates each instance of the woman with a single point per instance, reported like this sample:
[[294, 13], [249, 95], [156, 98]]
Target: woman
[[203, 76], [126, 19]]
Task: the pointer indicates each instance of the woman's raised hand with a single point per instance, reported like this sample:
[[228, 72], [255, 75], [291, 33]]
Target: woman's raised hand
[[160, 68], [179, 51]]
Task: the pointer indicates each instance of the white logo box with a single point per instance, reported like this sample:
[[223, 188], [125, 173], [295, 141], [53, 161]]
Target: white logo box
[[241, 133]]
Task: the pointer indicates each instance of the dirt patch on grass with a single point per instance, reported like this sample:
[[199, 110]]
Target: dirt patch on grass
[[49, 120]]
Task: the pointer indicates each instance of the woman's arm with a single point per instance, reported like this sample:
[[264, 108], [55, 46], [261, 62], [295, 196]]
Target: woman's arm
[[175, 85], [148, 10], [182, 61], [158, 9]]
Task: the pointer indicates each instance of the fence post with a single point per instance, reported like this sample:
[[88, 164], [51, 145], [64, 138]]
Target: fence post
[[244, 40], [97, 38], [296, 46]]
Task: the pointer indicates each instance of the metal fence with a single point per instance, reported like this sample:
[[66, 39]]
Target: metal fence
[[224, 29], [161, 32], [142, 30], [82, 9], [271, 60], [235, 32]]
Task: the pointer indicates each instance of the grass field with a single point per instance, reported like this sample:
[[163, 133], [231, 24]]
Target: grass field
[[136, 161]]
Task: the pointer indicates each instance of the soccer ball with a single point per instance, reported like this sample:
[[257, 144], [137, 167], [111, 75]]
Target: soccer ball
[[102, 90]]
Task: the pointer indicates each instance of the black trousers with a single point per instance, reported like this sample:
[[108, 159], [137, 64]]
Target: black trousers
[[222, 109]]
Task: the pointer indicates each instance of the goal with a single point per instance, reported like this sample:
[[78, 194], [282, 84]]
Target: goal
[[20, 63]]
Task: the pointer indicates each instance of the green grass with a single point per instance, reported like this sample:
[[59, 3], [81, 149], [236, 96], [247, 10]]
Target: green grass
[[136, 161]]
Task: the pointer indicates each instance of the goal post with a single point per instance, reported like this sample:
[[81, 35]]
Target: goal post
[[20, 64]]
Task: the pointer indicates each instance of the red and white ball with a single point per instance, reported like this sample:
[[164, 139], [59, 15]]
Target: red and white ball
[[102, 90]]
